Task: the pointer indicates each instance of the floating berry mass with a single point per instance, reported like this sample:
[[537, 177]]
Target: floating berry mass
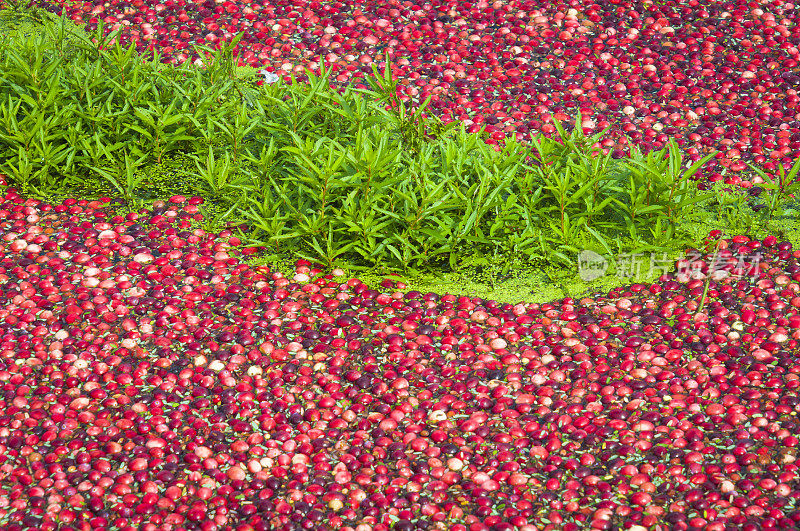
[[150, 379], [188, 390]]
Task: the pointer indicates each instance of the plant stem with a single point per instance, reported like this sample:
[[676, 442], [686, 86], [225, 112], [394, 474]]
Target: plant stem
[[708, 277]]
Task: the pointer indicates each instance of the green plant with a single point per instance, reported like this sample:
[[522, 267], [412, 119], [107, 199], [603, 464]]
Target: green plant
[[62, 116], [706, 283], [222, 182], [783, 190], [221, 67], [659, 175], [410, 125], [732, 211], [158, 128], [20, 9], [124, 168]]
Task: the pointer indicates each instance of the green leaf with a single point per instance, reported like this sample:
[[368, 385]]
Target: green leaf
[[145, 116]]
